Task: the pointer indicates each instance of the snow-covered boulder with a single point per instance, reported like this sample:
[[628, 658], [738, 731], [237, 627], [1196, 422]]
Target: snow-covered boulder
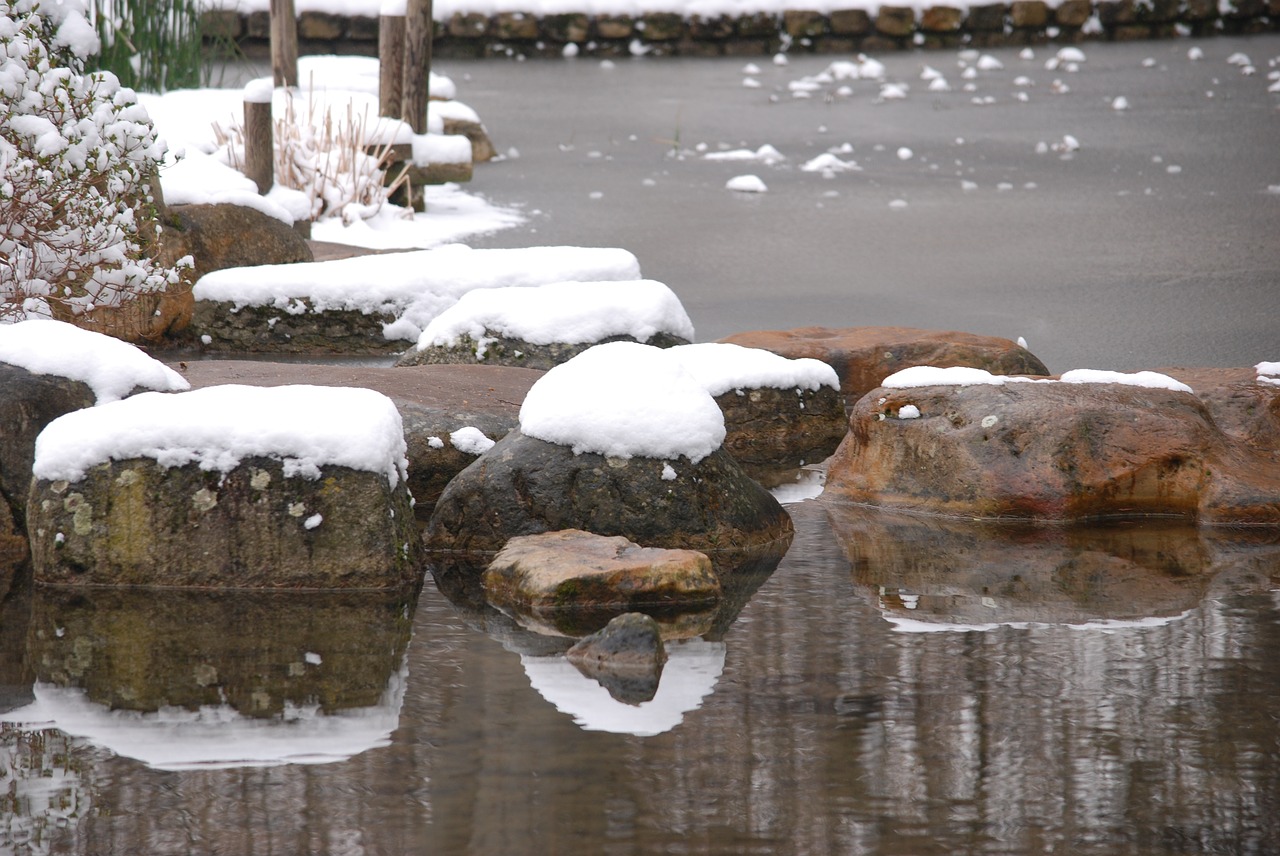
[[238, 658], [576, 570], [544, 326], [227, 486], [961, 441], [50, 368], [863, 356], [778, 412], [619, 440], [375, 303]]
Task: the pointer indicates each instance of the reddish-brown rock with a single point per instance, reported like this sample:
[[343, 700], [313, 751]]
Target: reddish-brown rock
[[1051, 451], [864, 356]]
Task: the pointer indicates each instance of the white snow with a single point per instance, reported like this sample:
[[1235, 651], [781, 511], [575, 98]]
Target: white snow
[[722, 366], [918, 376], [304, 427], [908, 411], [1268, 373], [414, 286], [746, 184], [568, 312], [809, 484], [110, 367], [766, 154], [471, 441], [623, 400], [692, 669], [218, 737]]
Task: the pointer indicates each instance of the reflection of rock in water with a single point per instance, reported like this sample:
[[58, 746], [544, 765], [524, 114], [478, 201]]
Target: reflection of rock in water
[[943, 571], [625, 657], [182, 679], [43, 775], [258, 653], [16, 676], [690, 675]]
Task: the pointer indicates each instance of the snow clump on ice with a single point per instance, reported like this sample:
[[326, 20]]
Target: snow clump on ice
[[746, 184]]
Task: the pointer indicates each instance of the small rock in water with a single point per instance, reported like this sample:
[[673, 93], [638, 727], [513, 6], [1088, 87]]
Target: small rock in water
[[625, 657]]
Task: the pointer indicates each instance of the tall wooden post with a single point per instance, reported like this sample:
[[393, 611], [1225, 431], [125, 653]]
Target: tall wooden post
[[259, 142], [391, 28], [284, 43], [417, 65]]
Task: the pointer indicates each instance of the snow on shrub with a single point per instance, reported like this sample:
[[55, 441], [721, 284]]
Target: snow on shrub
[[77, 153]]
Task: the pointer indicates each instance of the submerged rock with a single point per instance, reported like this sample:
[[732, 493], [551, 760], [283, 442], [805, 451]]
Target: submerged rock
[[864, 356], [573, 569], [625, 657], [1051, 451], [525, 486]]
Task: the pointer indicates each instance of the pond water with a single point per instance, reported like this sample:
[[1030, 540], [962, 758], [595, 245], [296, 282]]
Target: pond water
[[892, 686]]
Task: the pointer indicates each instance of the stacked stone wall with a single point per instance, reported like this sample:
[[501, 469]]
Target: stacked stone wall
[[1020, 22]]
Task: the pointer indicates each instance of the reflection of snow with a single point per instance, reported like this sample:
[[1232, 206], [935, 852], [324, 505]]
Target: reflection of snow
[[911, 625], [218, 737], [43, 790], [692, 669], [808, 485]]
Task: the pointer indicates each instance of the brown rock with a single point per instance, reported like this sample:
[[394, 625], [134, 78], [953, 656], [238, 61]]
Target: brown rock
[[760, 24], [804, 23], [1029, 14], [660, 26], [226, 236], [864, 356], [1115, 12], [221, 24], [1074, 13], [482, 149], [572, 569], [320, 26], [850, 22], [470, 25], [896, 21], [941, 19], [571, 27], [615, 26], [514, 25], [778, 428], [718, 28], [1051, 451], [1247, 410], [988, 17]]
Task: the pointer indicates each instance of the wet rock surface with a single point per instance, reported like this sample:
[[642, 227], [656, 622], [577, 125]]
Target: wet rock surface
[[625, 657], [1051, 451], [135, 523], [29, 402], [525, 486], [505, 351], [864, 356], [226, 236], [573, 569], [774, 429], [434, 401]]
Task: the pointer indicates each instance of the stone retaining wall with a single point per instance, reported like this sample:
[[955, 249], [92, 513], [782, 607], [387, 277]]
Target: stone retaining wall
[[1021, 22]]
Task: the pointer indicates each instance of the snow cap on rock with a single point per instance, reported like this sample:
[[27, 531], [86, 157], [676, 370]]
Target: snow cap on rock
[[623, 400], [304, 427], [721, 366], [110, 367]]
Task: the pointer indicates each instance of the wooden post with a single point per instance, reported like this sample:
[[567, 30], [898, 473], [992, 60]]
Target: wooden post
[[417, 64], [259, 142], [284, 43], [390, 63]]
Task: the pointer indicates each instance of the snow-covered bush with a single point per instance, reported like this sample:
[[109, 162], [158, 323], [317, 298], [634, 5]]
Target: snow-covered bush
[[326, 157], [77, 155]]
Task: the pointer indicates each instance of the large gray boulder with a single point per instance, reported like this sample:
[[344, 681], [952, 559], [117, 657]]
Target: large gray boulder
[[525, 486]]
